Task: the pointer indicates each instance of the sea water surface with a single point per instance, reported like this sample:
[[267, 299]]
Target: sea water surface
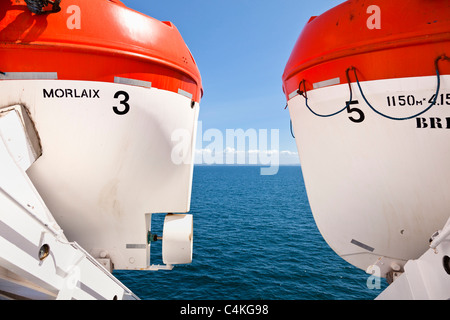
[[254, 239]]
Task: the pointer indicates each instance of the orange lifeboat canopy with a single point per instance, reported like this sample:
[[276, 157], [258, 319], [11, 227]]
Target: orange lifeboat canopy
[[96, 40], [382, 39]]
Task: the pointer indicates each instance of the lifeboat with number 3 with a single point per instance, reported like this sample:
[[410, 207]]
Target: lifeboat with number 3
[[368, 91], [114, 98]]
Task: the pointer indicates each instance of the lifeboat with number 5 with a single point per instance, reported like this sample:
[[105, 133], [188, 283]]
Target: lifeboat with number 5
[[113, 96], [368, 91]]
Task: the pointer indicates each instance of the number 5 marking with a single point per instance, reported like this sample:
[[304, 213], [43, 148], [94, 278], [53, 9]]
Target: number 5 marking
[[124, 103], [359, 111]]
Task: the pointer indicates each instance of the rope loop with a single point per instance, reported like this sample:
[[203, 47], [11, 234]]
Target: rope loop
[[436, 64], [304, 94], [37, 6], [352, 68]]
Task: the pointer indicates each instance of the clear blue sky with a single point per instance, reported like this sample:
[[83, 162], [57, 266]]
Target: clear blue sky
[[241, 48]]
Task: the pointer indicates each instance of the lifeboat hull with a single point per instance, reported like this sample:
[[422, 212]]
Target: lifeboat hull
[[114, 98], [379, 189], [370, 115], [100, 173]]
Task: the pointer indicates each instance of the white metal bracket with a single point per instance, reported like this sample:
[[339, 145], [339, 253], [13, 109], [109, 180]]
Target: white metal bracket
[[36, 260], [427, 278]]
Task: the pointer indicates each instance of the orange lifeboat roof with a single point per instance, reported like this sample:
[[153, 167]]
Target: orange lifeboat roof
[[97, 40], [383, 39]]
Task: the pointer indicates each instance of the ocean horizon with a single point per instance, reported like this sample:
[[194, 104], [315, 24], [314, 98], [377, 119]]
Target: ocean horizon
[[254, 239]]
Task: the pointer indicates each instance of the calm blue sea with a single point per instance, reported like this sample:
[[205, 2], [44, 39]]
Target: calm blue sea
[[254, 238]]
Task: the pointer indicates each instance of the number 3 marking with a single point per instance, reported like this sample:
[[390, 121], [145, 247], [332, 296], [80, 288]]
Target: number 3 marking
[[124, 103]]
